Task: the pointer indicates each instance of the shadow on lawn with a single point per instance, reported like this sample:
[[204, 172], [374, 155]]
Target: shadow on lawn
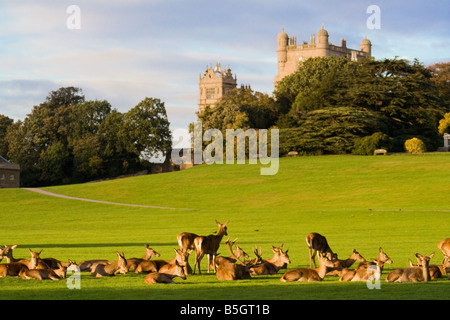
[[91, 245]]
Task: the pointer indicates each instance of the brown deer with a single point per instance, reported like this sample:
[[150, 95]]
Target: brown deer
[[414, 274], [436, 271], [147, 266], [34, 263], [87, 265], [174, 270], [44, 274], [309, 274], [186, 240], [272, 265], [209, 245], [229, 270], [340, 265], [318, 243], [8, 253], [108, 270], [444, 246], [234, 256], [12, 269], [132, 263], [362, 272]]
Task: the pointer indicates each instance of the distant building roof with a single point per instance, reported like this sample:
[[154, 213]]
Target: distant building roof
[[3, 160]]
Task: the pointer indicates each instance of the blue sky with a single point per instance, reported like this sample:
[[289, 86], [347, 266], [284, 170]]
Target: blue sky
[[127, 50]]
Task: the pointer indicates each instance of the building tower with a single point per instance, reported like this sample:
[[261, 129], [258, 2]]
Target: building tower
[[290, 53], [214, 84]]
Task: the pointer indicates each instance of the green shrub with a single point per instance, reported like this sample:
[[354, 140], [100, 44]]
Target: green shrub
[[367, 145], [415, 145]]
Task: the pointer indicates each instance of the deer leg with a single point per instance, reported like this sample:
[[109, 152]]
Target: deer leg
[[198, 258], [209, 261]]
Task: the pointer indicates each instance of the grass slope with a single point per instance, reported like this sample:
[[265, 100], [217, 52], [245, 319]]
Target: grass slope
[[397, 202]]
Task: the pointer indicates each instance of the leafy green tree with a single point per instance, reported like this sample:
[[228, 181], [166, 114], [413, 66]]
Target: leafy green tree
[[444, 124], [147, 128], [241, 108], [400, 94], [5, 122]]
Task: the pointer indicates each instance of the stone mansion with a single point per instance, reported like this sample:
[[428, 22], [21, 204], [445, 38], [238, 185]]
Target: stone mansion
[[216, 81]]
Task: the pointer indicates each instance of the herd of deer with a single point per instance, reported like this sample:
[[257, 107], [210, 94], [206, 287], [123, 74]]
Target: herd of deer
[[237, 266]]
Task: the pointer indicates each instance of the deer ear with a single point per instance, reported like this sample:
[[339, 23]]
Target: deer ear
[[13, 247], [432, 255]]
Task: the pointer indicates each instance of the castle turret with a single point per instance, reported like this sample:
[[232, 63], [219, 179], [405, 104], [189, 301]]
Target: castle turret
[[322, 42], [366, 46], [282, 44]]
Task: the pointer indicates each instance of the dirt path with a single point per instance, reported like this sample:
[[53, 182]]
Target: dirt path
[[48, 193]]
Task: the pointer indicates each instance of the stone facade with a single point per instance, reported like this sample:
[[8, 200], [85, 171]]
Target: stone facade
[[9, 174], [290, 54], [214, 84]]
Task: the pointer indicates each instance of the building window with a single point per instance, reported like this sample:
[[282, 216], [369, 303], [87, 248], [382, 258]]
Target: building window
[[11, 177], [2, 176], [210, 93]]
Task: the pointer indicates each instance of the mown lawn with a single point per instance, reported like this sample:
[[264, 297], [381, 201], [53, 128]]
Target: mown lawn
[[398, 202]]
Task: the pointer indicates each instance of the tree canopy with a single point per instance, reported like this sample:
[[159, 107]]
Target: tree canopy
[[67, 139], [403, 100]]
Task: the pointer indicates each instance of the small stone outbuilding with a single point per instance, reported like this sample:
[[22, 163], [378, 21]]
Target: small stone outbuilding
[[9, 174]]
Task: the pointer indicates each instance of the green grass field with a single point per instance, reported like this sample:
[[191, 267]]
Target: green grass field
[[398, 202]]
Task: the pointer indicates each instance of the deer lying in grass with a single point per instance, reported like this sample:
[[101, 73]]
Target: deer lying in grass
[[309, 274], [340, 265], [414, 274], [46, 274], [12, 269], [362, 272], [272, 265], [132, 263], [155, 265], [209, 245], [435, 270], [87, 265], [234, 256], [229, 270], [108, 270], [170, 272], [34, 263], [318, 243]]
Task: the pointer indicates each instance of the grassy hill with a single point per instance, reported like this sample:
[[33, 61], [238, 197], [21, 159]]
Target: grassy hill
[[398, 202]]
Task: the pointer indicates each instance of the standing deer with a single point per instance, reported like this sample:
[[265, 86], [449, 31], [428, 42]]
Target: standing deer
[[272, 265], [309, 274], [318, 243], [118, 266], [413, 274], [174, 270], [444, 246], [209, 245], [132, 263]]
